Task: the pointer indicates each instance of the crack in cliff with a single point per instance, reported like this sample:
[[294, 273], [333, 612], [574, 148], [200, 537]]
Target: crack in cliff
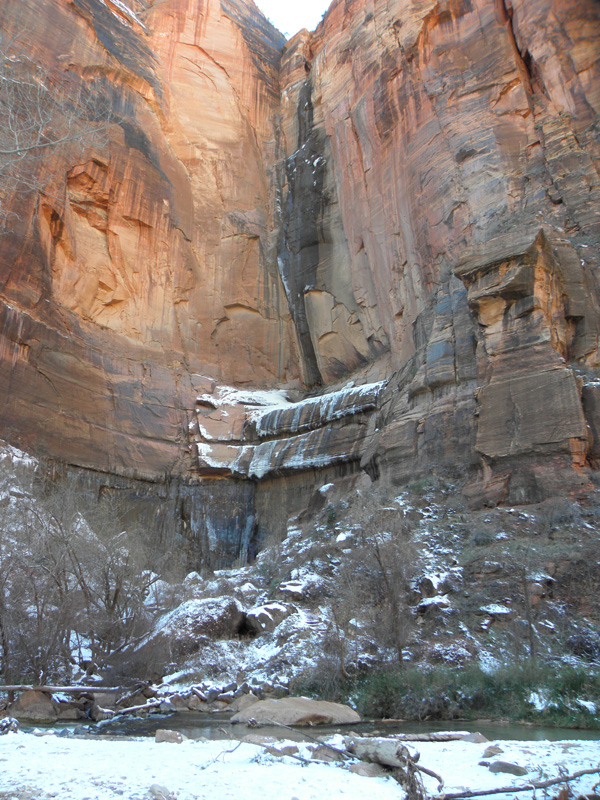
[[299, 249], [524, 59]]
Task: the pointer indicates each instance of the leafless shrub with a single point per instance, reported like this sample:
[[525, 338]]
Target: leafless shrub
[[40, 112], [66, 584], [375, 581]]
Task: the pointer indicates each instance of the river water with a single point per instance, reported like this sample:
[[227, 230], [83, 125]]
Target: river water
[[208, 726]]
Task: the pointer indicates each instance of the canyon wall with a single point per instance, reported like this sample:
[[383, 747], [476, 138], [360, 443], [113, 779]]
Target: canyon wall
[[149, 260], [397, 215]]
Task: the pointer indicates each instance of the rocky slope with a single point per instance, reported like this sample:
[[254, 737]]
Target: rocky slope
[[398, 213]]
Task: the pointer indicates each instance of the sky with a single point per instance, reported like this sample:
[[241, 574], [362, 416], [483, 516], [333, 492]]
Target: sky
[[290, 15]]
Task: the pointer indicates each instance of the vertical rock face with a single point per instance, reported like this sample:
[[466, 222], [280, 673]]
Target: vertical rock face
[[459, 221], [151, 256], [408, 199]]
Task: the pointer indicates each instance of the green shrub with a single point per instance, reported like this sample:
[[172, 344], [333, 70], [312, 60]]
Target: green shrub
[[444, 694]]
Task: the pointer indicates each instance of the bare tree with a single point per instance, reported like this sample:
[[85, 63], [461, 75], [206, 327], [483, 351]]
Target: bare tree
[[65, 583], [40, 112], [375, 581]]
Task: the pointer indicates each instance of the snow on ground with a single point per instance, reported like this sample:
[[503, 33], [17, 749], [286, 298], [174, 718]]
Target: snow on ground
[[101, 770], [463, 765], [93, 769]]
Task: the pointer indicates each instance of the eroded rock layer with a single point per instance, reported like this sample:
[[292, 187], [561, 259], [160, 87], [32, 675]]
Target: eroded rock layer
[[150, 256], [455, 145], [398, 214]]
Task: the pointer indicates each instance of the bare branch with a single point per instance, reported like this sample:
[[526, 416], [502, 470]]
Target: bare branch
[[526, 788]]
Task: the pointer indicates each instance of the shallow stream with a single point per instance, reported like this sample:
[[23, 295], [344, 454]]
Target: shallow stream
[[208, 726]]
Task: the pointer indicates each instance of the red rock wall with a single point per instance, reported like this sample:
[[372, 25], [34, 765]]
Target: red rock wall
[[150, 259], [409, 195], [453, 132]]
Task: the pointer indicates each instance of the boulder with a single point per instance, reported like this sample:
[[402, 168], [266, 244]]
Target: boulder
[[35, 706], [8, 725], [99, 714], [159, 792], [298, 711], [172, 737], [265, 618], [507, 767], [433, 605], [475, 738], [195, 703], [243, 702], [179, 702], [492, 750], [184, 628], [70, 711]]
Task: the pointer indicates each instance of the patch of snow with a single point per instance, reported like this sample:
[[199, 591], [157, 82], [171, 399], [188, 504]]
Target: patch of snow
[[488, 663], [84, 769], [538, 700], [343, 537], [116, 6], [588, 705], [293, 588], [496, 610], [440, 601]]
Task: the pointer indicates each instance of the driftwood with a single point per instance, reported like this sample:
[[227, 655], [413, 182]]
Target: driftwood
[[396, 756], [133, 709], [344, 754], [268, 748], [429, 737], [387, 752], [525, 788]]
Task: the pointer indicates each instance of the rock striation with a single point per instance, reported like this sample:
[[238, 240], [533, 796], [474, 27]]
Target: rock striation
[[150, 255], [393, 220], [459, 224]]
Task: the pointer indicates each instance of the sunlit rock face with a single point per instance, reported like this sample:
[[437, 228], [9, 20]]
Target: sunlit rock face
[[398, 213], [151, 256]]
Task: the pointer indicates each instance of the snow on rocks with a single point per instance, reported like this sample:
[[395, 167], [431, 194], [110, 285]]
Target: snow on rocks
[[497, 611], [252, 434], [35, 706], [123, 13], [267, 617], [439, 602], [8, 725], [437, 584], [183, 628]]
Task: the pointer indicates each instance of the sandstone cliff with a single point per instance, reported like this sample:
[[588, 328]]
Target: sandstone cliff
[[150, 258], [399, 213]]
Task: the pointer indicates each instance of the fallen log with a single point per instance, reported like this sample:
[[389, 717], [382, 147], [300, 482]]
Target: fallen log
[[387, 752], [430, 737], [394, 754], [133, 709], [532, 786]]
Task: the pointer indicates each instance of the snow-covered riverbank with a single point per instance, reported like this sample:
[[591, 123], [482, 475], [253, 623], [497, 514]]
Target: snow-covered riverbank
[[48, 766]]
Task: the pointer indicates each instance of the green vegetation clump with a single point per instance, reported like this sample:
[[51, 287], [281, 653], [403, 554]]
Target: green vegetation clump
[[567, 697]]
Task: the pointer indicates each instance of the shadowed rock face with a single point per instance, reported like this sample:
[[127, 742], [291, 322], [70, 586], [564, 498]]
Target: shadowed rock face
[[408, 197], [460, 233]]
